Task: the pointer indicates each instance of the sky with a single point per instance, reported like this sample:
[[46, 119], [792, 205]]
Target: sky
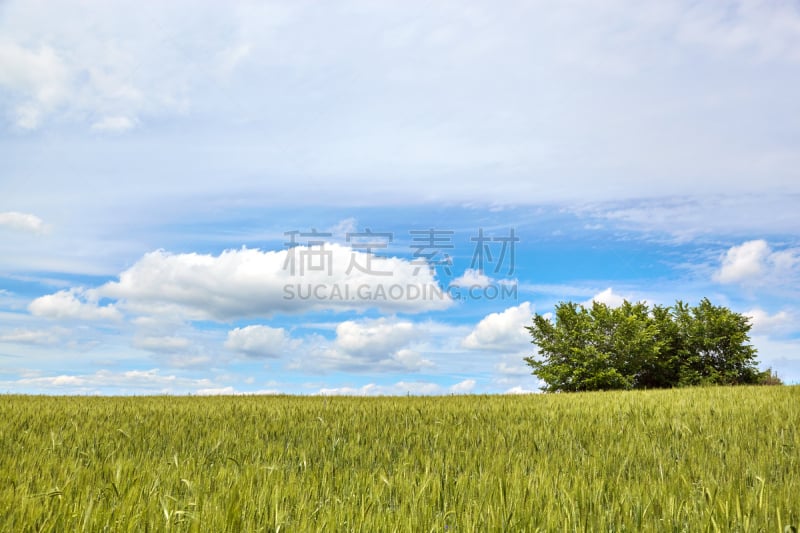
[[375, 198]]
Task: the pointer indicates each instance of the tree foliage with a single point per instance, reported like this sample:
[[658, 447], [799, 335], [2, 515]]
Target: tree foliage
[[634, 346]]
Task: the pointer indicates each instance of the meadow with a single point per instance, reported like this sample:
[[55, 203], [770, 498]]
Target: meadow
[[706, 459]]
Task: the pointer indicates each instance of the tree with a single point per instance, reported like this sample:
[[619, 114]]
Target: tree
[[635, 347], [715, 346]]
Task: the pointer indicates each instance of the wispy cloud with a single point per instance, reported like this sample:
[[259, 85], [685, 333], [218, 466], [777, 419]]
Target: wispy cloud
[[23, 222], [50, 336], [125, 382], [114, 124]]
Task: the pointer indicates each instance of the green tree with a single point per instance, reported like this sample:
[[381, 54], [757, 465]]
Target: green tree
[[633, 346], [716, 347]]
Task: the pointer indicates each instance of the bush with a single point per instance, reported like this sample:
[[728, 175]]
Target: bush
[[769, 377]]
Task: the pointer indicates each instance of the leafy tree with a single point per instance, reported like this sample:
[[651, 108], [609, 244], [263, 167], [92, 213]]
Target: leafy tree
[[633, 347], [716, 348]]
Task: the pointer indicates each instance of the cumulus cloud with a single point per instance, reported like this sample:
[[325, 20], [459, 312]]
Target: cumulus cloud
[[764, 323], [380, 345], [608, 297], [502, 331], [373, 338], [258, 341], [22, 222], [249, 282], [755, 262], [472, 278], [72, 304], [743, 262], [463, 387]]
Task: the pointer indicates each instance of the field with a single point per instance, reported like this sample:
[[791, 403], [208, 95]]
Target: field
[[715, 459]]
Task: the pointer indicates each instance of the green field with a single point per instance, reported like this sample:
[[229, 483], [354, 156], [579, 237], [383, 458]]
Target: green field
[[715, 459]]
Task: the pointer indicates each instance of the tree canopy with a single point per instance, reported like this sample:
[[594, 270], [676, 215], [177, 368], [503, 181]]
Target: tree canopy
[[634, 346]]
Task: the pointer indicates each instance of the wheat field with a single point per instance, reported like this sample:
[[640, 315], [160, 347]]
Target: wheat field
[[707, 459]]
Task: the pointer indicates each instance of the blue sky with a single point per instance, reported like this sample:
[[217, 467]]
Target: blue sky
[[154, 157]]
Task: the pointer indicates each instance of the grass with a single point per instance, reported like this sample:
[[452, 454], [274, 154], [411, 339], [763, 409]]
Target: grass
[[712, 459]]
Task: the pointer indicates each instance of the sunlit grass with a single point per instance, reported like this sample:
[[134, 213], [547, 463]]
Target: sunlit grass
[[717, 459]]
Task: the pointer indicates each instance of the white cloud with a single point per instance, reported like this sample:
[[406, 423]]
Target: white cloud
[[258, 341], [743, 262], [166, 344], [40, 78], [783, 356], [216, 391], [410, 359], [373, 338], [93, 65], [374, 345], [342, 228], [684, 218], [397, 389], [754, 263], [114, 124], [514, 368], [472, 278], [232, 391], [34, 336], [125, 382], [88, 62], [608, 297], [767, 31], [157, 325], [502, 331], [230, 58], [179, 359], [519, 389], [250, 282], [763, 323], [72, 304], [463, 387], [23, 222]]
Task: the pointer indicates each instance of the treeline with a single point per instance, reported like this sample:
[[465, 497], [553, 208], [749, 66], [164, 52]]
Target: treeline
[[635, 346]]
